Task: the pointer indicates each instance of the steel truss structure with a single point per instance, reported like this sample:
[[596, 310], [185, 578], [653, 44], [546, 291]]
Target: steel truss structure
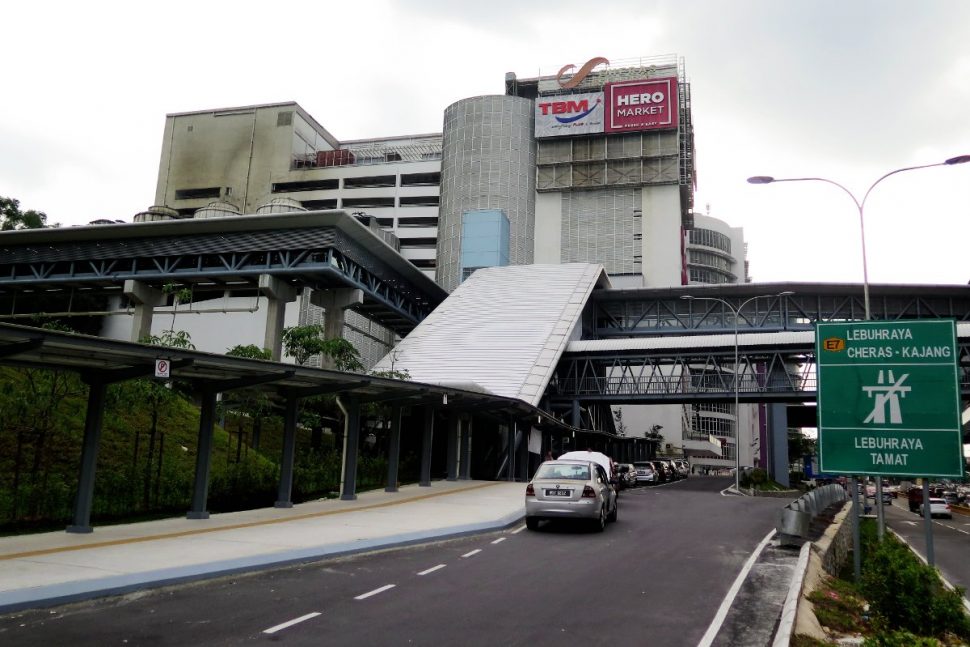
[[212, 264], [766, 374], [650, 312]]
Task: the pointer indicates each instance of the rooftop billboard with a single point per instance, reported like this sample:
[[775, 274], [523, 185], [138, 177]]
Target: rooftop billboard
[[571, 114], [641, 105], [627, 106]]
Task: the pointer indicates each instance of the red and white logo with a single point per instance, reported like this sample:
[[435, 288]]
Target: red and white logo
[[641, 105]]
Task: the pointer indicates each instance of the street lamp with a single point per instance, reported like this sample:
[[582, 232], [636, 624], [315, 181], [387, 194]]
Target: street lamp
[[767, 179], [860, 205], [737, 377]]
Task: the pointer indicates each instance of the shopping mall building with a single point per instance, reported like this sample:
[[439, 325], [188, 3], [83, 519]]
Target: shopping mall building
[[595, 165]]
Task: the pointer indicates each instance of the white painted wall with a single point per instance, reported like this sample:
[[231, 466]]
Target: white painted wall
[[661, 236], [548, 240]]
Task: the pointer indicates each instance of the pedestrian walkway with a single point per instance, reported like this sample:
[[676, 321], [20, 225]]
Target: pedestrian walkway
[[58, 567]]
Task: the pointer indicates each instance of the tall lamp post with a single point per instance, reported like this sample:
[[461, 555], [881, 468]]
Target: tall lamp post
[[737, 376], [860, 205]]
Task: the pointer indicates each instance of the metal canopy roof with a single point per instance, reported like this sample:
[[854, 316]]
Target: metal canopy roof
[[316, 249], [110, 360]]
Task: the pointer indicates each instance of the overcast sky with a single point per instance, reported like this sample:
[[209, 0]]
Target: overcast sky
[[846, 90]]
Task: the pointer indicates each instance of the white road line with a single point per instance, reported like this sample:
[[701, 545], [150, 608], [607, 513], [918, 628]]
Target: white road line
[[518, 530], [474, 552], [290, 623], [432, 569], [499, 540], [375, 591], [732, 593]]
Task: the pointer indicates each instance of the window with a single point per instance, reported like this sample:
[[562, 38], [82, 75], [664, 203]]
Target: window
[[417, 222], [197, 194], [370, 182], [308, 185], [420, 201], [368, 202], [421, 179], [710, 238], [319, 204]]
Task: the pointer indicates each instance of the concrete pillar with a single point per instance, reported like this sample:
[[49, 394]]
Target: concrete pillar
[[285, 491], [145, 298], [203, 459], [510, 449], [394, 451], [426, 442], [335, 302], [778, 443], [278, 293], [451, 460], [89, 458], [575, 418], [351, 450], [465, 453]]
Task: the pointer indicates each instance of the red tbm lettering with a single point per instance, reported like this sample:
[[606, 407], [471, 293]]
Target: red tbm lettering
[[564, 107]]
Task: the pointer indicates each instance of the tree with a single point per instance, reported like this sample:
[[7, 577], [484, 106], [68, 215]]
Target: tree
[[303, 342], [250, 402], [15, 218]]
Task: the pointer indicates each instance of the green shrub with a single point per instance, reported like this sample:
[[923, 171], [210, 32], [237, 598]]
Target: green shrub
[[758, 476], [900, 639], [908, 595]]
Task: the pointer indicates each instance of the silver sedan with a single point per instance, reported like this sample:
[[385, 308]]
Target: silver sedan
[[570, 490]]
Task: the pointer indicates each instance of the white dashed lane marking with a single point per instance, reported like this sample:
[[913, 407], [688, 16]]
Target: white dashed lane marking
[[499, 540], [290, 623], [473, 552], [364, 596], [518, 530], [432, 569]]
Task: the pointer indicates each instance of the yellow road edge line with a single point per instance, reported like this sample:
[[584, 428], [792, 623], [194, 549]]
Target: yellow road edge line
[[236, 526]]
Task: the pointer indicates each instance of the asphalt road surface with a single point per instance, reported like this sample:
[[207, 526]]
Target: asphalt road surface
[[951, 540], [656, 577]]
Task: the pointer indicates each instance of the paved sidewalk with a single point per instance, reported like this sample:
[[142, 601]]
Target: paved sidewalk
[[58, 567]]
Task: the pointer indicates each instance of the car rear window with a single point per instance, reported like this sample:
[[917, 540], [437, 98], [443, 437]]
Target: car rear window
[[566, 472]]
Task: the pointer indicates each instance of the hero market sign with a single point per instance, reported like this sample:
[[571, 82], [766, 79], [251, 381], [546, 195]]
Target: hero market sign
[[888, 398]]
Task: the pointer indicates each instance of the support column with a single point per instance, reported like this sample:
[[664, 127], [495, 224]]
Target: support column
[[284, 493], [454, 425], [89, 458], [778, 445], [426, 442], [348, 490], [278, 293], [203, 459], [576, 417], [465, 453], [335, 301], [394, 451], [145, 298], [522, 460]]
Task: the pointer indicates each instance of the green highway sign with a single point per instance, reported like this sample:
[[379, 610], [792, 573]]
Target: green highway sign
[[889, 398]]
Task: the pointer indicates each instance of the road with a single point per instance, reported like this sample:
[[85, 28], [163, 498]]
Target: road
[[951, 540], [656, 577]]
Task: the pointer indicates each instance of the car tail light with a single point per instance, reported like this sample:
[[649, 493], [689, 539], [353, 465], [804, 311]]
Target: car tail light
[[589, 492], [529, 490]]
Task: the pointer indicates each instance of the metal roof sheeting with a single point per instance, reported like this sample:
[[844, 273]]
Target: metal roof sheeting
[[504, 329]]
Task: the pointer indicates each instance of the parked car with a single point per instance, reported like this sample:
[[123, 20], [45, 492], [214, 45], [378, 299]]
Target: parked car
[[674, 472], [568, 489], [662, 470], [683, 467], [626, 475], [646, 473], [938, 508]]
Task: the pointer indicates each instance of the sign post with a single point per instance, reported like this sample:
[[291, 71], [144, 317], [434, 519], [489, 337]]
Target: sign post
[[889, 398]]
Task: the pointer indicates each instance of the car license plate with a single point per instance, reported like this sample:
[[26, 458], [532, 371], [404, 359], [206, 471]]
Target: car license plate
[[558, 492]]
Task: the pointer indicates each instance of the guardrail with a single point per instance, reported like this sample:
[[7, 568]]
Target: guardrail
[[795, 519]]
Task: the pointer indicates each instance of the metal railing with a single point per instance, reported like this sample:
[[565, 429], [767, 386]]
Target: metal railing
[[795, 519]]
